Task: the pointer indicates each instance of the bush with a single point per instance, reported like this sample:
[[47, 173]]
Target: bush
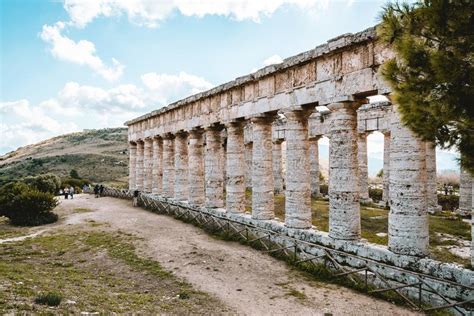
[[375, 194], [27, 206], [50, 299], [448, 202], [45, 182], [323, 189]]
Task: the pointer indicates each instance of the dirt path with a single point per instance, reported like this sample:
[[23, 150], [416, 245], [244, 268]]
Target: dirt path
[[246, 280]]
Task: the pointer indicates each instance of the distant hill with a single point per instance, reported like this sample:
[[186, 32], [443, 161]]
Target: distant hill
[[97, 155]]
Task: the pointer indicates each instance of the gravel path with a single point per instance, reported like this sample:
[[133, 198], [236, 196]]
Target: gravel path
[[246, 280]]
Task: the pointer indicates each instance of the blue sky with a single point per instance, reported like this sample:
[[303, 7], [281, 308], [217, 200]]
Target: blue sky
[[75, 64]]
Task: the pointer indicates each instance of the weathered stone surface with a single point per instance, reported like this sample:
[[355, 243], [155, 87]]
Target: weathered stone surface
[[408, 219], [132, 151], [157, 173], [262, 168], [344, 207], [363, 171], [386, 168], [465, 193], [314, 166], [277, 167], [168, 166], [235, 184], [196, 168], [139, 166], [214, 173], [181, 167], [298, 179], [147, 165], [248, 165], [431, 180]]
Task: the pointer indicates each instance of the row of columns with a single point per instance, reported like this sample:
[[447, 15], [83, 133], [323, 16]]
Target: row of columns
[[182, 167]]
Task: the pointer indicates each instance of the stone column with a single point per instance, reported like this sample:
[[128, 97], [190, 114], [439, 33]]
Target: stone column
[[431, 179], [235, 187], [277, 168], [408, 219], [314, 166], [472, 226], [363, 171], [181, 167], [344, 207], [147, 165], [156, 183], [214, 173], [465, 192], [298, 183], [386, 168], [132, 151], [248, 165], [139, 165], [168, 166], [262, 168], [196, 168]]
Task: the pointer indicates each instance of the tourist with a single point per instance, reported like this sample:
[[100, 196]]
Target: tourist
[[96, 190], [85, 188], [445, 189], [66, 193], [101, 189], [61, 192], [71, 192]]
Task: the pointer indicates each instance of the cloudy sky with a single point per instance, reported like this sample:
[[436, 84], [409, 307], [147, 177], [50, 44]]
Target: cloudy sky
[[75, 64]]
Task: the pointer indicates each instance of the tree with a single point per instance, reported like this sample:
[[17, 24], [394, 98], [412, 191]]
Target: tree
[[432, 76], [380, 173], [74, 174]]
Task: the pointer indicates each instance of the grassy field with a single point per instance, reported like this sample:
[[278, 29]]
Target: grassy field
[[93, 271], [375, 220]]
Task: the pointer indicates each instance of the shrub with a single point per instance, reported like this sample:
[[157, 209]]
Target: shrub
[[375, 194], [45, 182], [26, 206], [76, 183], [448, 202], [50, 299], [74, 174], [323, 189]]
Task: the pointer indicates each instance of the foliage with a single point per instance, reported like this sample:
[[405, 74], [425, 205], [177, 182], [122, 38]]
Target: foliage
[[380, 173], [321, 178], [48, 182], [50, 299], [448, 202], [26, 206], [432, 76], [74, 174], [323, 189], [375, 194], [76, 183]]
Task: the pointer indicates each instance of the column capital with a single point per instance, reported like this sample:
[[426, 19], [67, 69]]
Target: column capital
[[343, 105], [267, 117], [235, 122], [167, 136], [213, 127], [196, 132], [181, 133]]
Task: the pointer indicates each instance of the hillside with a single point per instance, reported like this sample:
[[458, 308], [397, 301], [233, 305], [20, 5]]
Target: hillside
[[97, 155]]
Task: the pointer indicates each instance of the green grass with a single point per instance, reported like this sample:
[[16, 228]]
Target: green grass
[[375, 220], [98, 270]]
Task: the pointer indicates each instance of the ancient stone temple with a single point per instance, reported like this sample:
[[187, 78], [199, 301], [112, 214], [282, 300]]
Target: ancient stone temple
[[261, 131]]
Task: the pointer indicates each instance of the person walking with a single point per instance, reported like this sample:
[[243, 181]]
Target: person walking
[[96, 190], [71, 192], [101, 189], [66, 193]]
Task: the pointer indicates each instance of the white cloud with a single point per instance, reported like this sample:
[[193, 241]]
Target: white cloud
[[151, 13], [81, 53], [28, 124], [275, 59], [165, 88]]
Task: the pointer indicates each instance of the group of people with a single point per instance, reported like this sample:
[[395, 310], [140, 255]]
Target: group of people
[[98, 190], [67, 192], [448, 189]]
